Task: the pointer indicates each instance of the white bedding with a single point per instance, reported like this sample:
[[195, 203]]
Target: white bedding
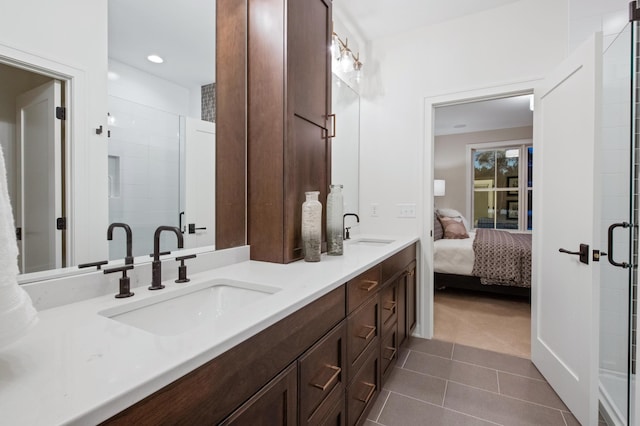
[[454, 256]]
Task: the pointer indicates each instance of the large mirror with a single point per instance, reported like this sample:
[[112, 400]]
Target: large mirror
[[161, 94], [345, 146]]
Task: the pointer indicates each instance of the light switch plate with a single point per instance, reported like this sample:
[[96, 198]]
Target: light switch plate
[[406, 210]]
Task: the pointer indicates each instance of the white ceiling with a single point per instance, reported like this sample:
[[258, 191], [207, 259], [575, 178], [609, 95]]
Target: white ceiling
[[493, 114], [381, 18], [183, 33]]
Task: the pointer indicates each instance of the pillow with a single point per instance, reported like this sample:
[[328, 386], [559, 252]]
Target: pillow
[[455, 214], [438, 230], [453, 230]]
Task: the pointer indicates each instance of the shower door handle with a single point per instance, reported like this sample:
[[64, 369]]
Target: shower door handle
[[610, 244]]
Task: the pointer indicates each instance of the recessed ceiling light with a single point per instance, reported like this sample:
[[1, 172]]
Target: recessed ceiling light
[[459, 126], [155, 59]]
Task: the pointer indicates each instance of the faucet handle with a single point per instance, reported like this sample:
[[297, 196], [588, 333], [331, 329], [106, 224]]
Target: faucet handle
[[125, 283], [182, 269], [96, 264]]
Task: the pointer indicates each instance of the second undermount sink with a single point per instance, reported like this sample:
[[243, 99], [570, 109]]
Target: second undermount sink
[[371, 241], [173, 313]]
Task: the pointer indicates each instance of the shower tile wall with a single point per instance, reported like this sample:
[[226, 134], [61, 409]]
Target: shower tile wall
[[145, 141]]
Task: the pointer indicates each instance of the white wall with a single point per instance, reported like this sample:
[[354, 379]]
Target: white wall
[[589, 16], [492, 47], [450, 161], [72, 35]]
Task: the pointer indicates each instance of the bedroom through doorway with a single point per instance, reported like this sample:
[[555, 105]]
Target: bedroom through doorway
[[483, 188]]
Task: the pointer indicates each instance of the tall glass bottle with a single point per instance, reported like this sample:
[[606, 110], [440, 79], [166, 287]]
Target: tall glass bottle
[[312, 227], [334, 220]]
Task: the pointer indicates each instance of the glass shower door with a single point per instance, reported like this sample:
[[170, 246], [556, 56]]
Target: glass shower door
[[618, 279]]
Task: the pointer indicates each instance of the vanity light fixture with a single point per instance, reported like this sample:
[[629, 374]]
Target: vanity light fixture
[[155, 59], [349, 61]]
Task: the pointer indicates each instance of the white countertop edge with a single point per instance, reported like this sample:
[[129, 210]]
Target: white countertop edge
[[99, 408]]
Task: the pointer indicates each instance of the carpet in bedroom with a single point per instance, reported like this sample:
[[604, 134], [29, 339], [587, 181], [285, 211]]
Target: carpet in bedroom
[[492, 322]]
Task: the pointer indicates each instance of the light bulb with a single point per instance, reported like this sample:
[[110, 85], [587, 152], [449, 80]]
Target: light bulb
[[346, 62]]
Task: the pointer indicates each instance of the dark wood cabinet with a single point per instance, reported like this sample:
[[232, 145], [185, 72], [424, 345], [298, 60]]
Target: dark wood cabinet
[[364, 388], [274, 405], [322, 365], [289, 96], [322, 372]]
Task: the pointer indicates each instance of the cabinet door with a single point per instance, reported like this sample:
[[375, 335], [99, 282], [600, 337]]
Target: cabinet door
[[389, 306], [310, 29], [274, 405], [411, 298], [362, 333], [402, 309], [307, 159]]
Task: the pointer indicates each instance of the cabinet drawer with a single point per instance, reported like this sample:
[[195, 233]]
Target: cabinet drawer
[[362, 331], [322, 369], [332, 411], [362, 287], [388, 352], [396, 264], [364, 388], [389, 306]]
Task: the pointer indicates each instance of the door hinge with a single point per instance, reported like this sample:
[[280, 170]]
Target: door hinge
[[19, 234], [61, 223], [634, 13], [61, 113]]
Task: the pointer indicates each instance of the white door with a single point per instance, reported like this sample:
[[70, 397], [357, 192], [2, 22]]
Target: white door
[[39, 177], [200, 184], [565, 292]]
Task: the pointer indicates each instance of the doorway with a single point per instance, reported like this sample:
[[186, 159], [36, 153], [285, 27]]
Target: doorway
[[482, 162], [32, 126]]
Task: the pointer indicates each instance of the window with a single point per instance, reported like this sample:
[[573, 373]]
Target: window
[[502, 187]]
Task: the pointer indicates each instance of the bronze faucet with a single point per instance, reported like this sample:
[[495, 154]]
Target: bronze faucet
[[156, 265]]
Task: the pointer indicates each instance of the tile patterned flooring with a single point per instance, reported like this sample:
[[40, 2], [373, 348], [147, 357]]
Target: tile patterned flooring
[[442, 383]]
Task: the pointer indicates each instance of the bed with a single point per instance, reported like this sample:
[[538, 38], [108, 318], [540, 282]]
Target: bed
[[488, 260]]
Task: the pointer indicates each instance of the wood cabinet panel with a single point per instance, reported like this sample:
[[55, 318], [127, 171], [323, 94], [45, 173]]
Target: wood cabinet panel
[[231, 129], [211, 392], [332, 411], [397, 263], [307, 155], [365, 388], [402, 309], [389, 303], [289, 93], [310, 26], [388, 352], [362, 287], [273, 405], [412, 291], [363, 330], [322, 369]]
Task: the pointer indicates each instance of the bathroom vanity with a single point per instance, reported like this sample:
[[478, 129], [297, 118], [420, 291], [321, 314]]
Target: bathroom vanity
[[303, 343]]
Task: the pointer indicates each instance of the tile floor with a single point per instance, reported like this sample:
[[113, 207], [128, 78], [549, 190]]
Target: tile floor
[[442, 383], [493, 322]]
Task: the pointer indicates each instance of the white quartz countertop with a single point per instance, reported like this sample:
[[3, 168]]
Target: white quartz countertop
[[79, 367]]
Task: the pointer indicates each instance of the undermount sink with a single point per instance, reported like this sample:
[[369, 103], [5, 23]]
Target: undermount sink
[[173, 313], [371, 242]]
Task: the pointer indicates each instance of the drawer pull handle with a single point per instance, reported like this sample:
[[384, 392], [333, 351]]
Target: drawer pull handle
[[393, 353], [334, 376], [390, 305], [372, 390], [368, 285], [372, 331]]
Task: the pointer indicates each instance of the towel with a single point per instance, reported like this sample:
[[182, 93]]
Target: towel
[[17, 314]]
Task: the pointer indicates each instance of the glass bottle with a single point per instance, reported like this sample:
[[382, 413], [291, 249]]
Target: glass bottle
[[312, 227], [334, 220]]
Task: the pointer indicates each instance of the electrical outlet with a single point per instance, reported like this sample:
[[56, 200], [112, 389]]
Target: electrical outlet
[[374, 209], [406, 210]]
